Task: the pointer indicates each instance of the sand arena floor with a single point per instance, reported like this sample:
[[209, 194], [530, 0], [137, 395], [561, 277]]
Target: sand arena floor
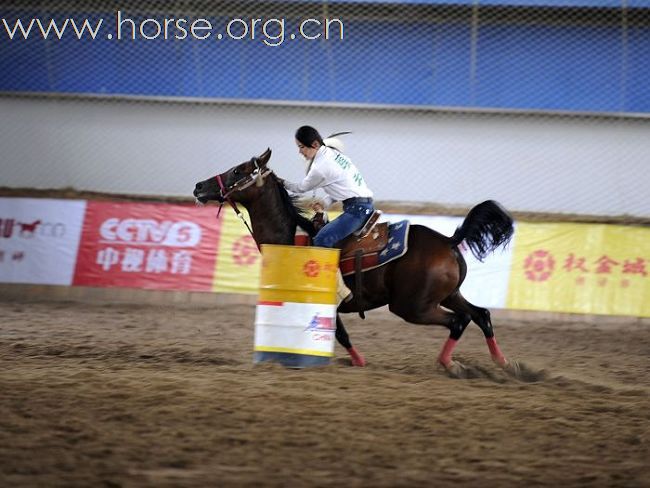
[[127, 395]]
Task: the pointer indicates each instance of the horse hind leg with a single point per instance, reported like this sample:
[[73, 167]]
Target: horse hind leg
[[456, 323], [481, 317], [434, 315]]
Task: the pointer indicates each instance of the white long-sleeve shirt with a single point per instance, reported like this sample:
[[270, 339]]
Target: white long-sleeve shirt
[[335, 174]]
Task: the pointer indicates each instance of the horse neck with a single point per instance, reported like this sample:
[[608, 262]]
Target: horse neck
[[270, 219]]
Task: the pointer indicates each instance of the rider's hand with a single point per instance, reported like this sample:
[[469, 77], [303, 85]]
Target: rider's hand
[[317, 207]]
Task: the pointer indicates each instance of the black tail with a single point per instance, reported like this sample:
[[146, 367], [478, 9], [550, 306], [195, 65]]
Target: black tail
[[486, 227]]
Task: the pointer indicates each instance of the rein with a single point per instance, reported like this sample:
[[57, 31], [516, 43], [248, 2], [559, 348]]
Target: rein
[[240, 185]]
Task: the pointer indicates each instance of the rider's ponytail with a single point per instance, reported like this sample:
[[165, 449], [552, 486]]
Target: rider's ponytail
[[334, 142]]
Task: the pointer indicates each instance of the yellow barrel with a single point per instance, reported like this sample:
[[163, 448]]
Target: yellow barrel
[[295, 319]]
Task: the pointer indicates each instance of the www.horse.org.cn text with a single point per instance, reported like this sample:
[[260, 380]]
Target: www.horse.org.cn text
[[272, 32]]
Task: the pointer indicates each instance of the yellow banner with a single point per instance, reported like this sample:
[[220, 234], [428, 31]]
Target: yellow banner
[[238, 260], [581, 268]]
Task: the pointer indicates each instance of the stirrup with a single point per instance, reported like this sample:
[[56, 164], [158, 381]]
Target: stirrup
[[343, 293]]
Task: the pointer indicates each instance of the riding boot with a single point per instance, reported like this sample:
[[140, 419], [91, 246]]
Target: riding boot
[[343, 293]]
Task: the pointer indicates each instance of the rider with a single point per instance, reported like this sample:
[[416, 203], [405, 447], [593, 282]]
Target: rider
[[341, 180]]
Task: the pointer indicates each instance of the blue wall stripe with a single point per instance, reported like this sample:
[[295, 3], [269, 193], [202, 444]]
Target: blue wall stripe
[[517, 66]]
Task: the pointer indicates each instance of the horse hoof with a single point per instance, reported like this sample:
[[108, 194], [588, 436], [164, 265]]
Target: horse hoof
[[512, 368], [356, 358], [360, 362], [457, 370], [523, 372], [500, 361]]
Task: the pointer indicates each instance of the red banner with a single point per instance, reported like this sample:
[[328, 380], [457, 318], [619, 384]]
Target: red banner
[[144, 245]]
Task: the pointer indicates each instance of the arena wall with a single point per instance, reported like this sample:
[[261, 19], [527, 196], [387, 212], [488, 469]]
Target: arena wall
[[533, 163]]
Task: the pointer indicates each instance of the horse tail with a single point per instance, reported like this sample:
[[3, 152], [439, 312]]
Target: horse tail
[[486, 227]]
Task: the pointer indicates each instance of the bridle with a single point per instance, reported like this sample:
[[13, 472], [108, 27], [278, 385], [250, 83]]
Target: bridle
[[240, 185], [244, 182]]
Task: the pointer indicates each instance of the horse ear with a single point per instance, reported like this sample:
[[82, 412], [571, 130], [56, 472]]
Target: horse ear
[[264, 158]]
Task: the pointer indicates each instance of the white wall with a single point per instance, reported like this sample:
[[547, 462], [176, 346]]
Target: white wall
[[528, 163]]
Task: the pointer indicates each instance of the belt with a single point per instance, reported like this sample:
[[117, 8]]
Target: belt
[[352, 201]]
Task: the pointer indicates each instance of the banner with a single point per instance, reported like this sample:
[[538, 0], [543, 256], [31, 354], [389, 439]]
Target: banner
[[238, 259], [39, 239], [581, 268], [560, 267], [145, 245]]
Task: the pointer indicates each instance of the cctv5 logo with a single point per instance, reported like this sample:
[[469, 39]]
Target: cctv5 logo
[[148, 231]]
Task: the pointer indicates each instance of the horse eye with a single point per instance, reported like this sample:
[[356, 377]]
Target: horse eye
[[236, 171]]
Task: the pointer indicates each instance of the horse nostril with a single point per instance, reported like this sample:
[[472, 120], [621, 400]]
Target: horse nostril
[[199, 186]]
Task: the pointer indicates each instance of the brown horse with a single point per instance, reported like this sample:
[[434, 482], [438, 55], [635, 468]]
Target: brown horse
[[415, 287]]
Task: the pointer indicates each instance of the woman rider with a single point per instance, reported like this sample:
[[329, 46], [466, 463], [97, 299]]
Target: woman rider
[[341, 181]]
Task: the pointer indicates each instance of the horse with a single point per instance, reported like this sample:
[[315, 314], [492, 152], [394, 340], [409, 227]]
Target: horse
[[421, 287]]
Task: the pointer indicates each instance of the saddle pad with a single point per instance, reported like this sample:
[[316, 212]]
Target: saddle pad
[[396, 247]]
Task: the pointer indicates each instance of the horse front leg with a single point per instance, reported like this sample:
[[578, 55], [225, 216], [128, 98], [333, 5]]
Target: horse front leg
[[344, 339]]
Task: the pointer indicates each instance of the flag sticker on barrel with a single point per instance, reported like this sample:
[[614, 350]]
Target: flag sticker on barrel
[[320, 323]]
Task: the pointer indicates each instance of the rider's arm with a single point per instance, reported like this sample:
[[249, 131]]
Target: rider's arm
[[314, 179], [328, 201]]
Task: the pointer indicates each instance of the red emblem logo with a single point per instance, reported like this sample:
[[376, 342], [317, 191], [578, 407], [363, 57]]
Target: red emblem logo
[[311, 269], [244, 251], [539, 265]]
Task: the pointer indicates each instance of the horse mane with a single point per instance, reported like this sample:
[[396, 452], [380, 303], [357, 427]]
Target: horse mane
[[289, 204]]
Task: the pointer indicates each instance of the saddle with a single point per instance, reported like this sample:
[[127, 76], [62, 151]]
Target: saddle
[[371, 238]]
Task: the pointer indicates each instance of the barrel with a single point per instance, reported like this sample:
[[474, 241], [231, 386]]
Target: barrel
[[295, 318]]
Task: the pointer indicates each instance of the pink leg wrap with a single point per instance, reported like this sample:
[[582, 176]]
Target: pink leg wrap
[[495, 352], [357, 358], [445, 355]]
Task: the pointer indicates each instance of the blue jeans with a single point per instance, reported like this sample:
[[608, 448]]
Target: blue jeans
[[352, 219]]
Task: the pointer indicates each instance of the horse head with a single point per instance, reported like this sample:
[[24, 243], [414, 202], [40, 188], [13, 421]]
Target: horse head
[[241, 183]]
